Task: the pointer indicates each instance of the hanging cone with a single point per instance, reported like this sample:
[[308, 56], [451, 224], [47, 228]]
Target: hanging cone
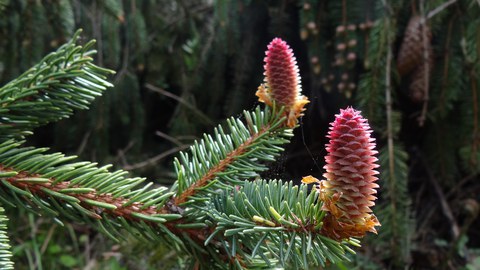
[[411, 50], [418, 86]]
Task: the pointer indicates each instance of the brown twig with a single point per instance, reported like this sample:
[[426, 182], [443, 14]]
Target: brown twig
[[438, 9], [460, 183], [475, 138], [84, 142], [121, 153], [155, 159], [426, 64], [47, 239], [168, 138], [447, 211], [180, 100], [446, 64], [388, 108]]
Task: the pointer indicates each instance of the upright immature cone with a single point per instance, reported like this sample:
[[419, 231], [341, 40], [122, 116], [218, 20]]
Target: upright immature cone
[[282, 81], [349, 189]]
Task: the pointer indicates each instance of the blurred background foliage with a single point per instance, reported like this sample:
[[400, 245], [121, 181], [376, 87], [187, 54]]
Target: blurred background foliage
[[184, 65]]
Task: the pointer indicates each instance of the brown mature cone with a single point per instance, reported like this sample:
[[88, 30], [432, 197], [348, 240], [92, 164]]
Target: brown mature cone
[[417, 89], [411, 50]]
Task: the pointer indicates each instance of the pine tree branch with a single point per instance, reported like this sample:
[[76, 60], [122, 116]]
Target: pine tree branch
[[426, 64], [88, 198], [62, 81], [80, 191], [230, 158], [258, 220], [221, 166]]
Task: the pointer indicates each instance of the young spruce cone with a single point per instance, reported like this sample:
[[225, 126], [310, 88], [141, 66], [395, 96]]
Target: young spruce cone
[[349, 189], [282, 81], [411, 49]]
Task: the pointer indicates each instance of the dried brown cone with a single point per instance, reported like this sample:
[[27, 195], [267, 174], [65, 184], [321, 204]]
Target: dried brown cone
[[420, 78], [411, 49]]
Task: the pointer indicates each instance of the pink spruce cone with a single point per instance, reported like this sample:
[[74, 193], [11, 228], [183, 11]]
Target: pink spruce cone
[[282, 81], [349, 189]]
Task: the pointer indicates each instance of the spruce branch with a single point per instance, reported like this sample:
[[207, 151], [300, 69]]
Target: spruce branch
[[62, 81], [274, 223], [82, 192], [227, 159], [212, 211], [53, 185]]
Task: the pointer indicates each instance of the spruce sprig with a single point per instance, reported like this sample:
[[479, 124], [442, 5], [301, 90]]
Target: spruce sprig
[[53, 185], [274, 223], [61, 82], [228, 158]]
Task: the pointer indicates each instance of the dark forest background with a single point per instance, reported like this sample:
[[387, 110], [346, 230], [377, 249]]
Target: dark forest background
[[182, 66]]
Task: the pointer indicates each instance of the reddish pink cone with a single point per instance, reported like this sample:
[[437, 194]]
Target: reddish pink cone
[[281, 72], [349, 189], [282, 81], [351, 164]]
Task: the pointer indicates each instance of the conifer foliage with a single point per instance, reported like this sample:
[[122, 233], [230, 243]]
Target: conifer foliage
[[184, 65], [217, 211]]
